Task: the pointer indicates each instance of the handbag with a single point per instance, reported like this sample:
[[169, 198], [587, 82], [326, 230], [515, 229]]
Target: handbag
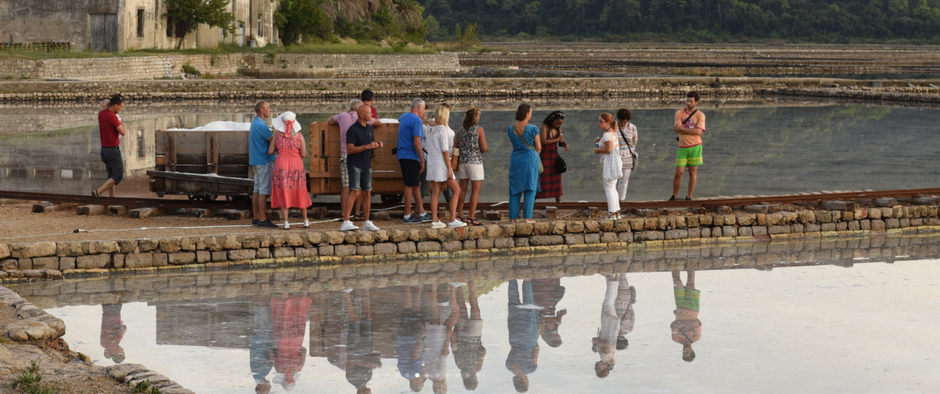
[[636, 160], [560, 166], [541, 166]]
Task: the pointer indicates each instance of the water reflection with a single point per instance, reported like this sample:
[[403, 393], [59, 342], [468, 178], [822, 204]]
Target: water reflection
[[364, 329]]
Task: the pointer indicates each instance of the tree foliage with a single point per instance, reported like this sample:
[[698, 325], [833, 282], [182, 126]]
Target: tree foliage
[[364, 20], [187, 15], [696, 20], [301, 18]]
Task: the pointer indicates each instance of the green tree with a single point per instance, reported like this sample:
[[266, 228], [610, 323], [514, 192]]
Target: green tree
[[301, 18], [187, 15]]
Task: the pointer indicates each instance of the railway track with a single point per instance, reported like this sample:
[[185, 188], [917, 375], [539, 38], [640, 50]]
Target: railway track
[[709, 203]]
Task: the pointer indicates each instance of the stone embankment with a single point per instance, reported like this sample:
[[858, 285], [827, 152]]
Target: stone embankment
[[136, 68], [34, 327], [672, 88], [55, 259]]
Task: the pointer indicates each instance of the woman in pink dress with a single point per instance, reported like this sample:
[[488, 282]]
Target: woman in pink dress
[[289, 315], [290, 179]]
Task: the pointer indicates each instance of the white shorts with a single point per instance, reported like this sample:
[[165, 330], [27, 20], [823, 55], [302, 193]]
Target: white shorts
[[471, 171]]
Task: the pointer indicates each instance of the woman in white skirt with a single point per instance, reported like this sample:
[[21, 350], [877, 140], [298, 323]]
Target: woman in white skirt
[[626, 131], [440, 141], [608, 146]]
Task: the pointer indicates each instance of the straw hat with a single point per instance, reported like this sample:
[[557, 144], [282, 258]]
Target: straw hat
[[281, 121]]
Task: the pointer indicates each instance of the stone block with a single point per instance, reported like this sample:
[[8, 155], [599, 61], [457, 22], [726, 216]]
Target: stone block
[[95, 261], [574, 239], [37, 249], [159, 259], [729, 231], [503, 243], [828, 227], [650, 224], [812, 228], [545, 240], [854, 225], [865, 224], [51, 263], [648, 236], [203, 256], [758, 231], [325, 250], [5, 250], [676, 234], [877, 225], [575, 226], [778, 229], [706, 232], [67, 263], [469, 244], [127, 246], [181, 258], [806, 217], [892, 223], [591, 226], [170, 245], [592, 238], [284, 252], [344, 250], [842, 226], [365, 250], [385, 249], [524, 229], [823, 216], [407, 247], [521, 242], [138, 260], [452, 246], [242, 254], [429, 246], [485, 243]]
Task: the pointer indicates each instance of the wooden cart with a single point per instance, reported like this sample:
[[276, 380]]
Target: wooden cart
[[324, 154], [202, 165]]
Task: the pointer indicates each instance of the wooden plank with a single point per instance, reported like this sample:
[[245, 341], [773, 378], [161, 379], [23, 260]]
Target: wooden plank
[[117, 210], [91, 209], [143, 213]]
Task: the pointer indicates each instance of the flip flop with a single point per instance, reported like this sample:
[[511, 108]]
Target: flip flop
[[94, 193], [472, 222]]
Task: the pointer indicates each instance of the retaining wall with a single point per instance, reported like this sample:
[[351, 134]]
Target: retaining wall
[[53, 259]]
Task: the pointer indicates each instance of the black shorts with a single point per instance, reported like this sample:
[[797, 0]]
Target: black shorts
[[410, 172], [114, 163]]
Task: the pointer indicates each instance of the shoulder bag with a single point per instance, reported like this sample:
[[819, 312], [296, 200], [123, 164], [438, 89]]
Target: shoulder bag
[[636, 160], [560, 166]]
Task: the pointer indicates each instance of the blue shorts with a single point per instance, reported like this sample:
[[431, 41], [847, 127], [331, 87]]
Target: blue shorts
[[360, 179], [263, 176], [114, 163]]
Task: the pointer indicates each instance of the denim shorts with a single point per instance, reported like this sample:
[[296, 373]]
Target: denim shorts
[[114, 163], [263, 176], [360, 179]]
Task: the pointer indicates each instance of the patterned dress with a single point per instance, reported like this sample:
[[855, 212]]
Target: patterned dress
[[289, 188], [550, 180], [524, 161]]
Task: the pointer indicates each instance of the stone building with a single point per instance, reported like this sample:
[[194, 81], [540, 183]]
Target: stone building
[[120, 25]]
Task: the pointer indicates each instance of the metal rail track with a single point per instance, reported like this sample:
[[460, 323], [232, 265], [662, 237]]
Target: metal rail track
[[710, 203]]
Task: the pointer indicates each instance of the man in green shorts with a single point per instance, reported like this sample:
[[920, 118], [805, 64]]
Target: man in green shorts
[[687, 328], [689, 125]]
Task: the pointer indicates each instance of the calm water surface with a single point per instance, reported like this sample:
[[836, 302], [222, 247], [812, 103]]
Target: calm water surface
[[751, 150], [830, 316]]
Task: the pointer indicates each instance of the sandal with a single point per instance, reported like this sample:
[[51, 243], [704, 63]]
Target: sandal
[[530, 221], [472, 221], [94, 193], [513, 221]]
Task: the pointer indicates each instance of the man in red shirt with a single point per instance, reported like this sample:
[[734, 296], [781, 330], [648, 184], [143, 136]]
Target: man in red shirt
[[111, 130]]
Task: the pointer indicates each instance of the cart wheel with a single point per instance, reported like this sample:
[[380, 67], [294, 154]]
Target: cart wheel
[[193, 197], [160, 195], [210, 197], [392, 199], [236, 199]]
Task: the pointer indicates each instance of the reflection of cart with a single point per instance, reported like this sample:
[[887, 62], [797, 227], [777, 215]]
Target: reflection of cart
[[323, 178], [202, 165]]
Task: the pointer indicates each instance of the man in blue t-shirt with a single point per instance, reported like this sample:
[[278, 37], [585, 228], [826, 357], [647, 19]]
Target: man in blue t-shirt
[[261, 163], [411, 158]]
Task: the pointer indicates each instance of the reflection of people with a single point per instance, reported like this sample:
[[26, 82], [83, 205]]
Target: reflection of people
[[616, 322], [547, 294], [687, 328], [112, 331], [523, 335], [468, 348], [261, 343], [361, 359], [289, 316], [437, 334], [110, 130], [409, 339]]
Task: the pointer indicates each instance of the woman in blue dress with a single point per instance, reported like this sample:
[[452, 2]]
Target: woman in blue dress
[[523, 164]]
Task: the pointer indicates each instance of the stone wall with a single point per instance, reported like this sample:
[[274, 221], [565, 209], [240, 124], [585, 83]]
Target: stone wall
[[136, 68], [52, 259]]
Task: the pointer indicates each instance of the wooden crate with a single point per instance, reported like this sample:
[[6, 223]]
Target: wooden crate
[[324, 157]]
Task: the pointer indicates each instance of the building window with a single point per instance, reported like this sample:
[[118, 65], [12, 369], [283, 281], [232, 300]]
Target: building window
[[170, 25], [260, 25], [140, 22]]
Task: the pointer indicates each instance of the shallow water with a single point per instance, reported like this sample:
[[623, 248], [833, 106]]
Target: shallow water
[[752, 148], [816, 316]]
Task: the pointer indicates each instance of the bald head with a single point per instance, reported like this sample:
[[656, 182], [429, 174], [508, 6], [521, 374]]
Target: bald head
[[365, 114]]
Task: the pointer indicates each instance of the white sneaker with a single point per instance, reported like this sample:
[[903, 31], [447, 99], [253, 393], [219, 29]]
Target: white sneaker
[[456, 223], [369, 226], [286, 225], [306, 223], [348, 226], [438, 224]]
